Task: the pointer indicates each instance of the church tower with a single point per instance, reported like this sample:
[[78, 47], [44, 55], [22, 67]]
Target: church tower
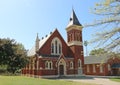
[[74, 40]]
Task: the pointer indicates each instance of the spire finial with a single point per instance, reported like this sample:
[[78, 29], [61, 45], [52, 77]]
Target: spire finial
[[37, 38]]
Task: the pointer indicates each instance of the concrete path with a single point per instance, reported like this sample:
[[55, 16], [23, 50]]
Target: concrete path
[[99, 81], [93, 79]]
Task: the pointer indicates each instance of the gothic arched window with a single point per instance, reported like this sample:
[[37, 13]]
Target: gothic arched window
[[52, 48], [56, 46], [59, 49], [48, 65]]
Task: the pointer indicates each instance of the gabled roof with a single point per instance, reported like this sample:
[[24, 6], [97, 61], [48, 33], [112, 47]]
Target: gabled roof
[[32, 52], [96, 59], [73, 19]]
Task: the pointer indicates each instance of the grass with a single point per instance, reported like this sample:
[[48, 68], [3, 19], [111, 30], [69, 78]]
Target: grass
[[115, 79], [21, 80]]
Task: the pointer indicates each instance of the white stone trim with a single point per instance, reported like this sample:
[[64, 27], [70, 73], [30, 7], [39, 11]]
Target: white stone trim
[[47, 65], [58, 43], [75, 43], [74, 27], [62, 62]]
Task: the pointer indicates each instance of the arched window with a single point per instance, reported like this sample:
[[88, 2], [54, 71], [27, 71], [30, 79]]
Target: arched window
[[59, 49], [46, 65], [79, 63], [50, 65], [56, 46], [71, 65], [52, 48]]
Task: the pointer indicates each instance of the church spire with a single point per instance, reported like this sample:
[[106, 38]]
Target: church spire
[[73, 19]]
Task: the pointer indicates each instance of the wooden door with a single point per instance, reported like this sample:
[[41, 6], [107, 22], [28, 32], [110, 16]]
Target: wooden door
[[61, 69]]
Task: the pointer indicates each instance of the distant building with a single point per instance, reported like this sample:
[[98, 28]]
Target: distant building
[[103, 65], [51, 56]]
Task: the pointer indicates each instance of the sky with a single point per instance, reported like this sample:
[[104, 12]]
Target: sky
[[23, 19]]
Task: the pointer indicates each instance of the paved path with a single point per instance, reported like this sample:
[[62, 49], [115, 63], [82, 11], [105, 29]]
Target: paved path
[[99, 81], [93, 79]]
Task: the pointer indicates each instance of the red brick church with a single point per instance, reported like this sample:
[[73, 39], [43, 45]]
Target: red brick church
[[52, 56]]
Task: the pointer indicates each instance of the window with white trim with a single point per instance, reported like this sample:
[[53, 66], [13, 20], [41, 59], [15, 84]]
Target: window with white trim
[[48, 65], [88, 69], [94, 70], [71, 64], [79, 63], [56, 46], [101, 68], [52, 48]]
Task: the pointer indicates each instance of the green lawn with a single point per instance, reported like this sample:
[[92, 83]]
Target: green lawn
[[21, 80], [115, 79]]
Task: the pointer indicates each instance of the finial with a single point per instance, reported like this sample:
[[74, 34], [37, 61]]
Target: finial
[[37, 38]]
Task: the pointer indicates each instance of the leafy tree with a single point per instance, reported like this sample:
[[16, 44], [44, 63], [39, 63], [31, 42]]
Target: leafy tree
[[109, 12], [99, 51], [12, 54]]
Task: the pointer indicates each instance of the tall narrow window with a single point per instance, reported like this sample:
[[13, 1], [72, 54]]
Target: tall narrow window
[[46, 65], [94, 70], [101, 68], [56, 46], [50, 65], [79, 63], [52, 48], [71, 65], [88, 69], [59, 49]]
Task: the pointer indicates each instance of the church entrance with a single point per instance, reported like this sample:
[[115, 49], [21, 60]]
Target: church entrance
[[61, 67], [61, 70]]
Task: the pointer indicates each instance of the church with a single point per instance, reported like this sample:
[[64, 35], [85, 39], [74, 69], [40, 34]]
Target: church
[[52, 56]]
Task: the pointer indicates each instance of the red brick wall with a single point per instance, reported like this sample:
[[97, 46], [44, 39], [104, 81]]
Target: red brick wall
[[105, 72], [46, 48]]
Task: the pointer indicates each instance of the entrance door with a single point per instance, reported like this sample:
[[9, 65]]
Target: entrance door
[[61, 67]]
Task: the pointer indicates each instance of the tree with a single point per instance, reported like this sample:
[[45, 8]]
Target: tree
[[12, 54], [99, 51], [109, 12]]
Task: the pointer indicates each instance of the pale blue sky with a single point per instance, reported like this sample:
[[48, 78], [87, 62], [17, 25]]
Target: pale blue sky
[[23, 19]]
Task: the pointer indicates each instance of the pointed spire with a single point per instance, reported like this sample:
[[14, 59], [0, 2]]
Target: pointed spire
[[37, 43], [73, 19], [37, 38]]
